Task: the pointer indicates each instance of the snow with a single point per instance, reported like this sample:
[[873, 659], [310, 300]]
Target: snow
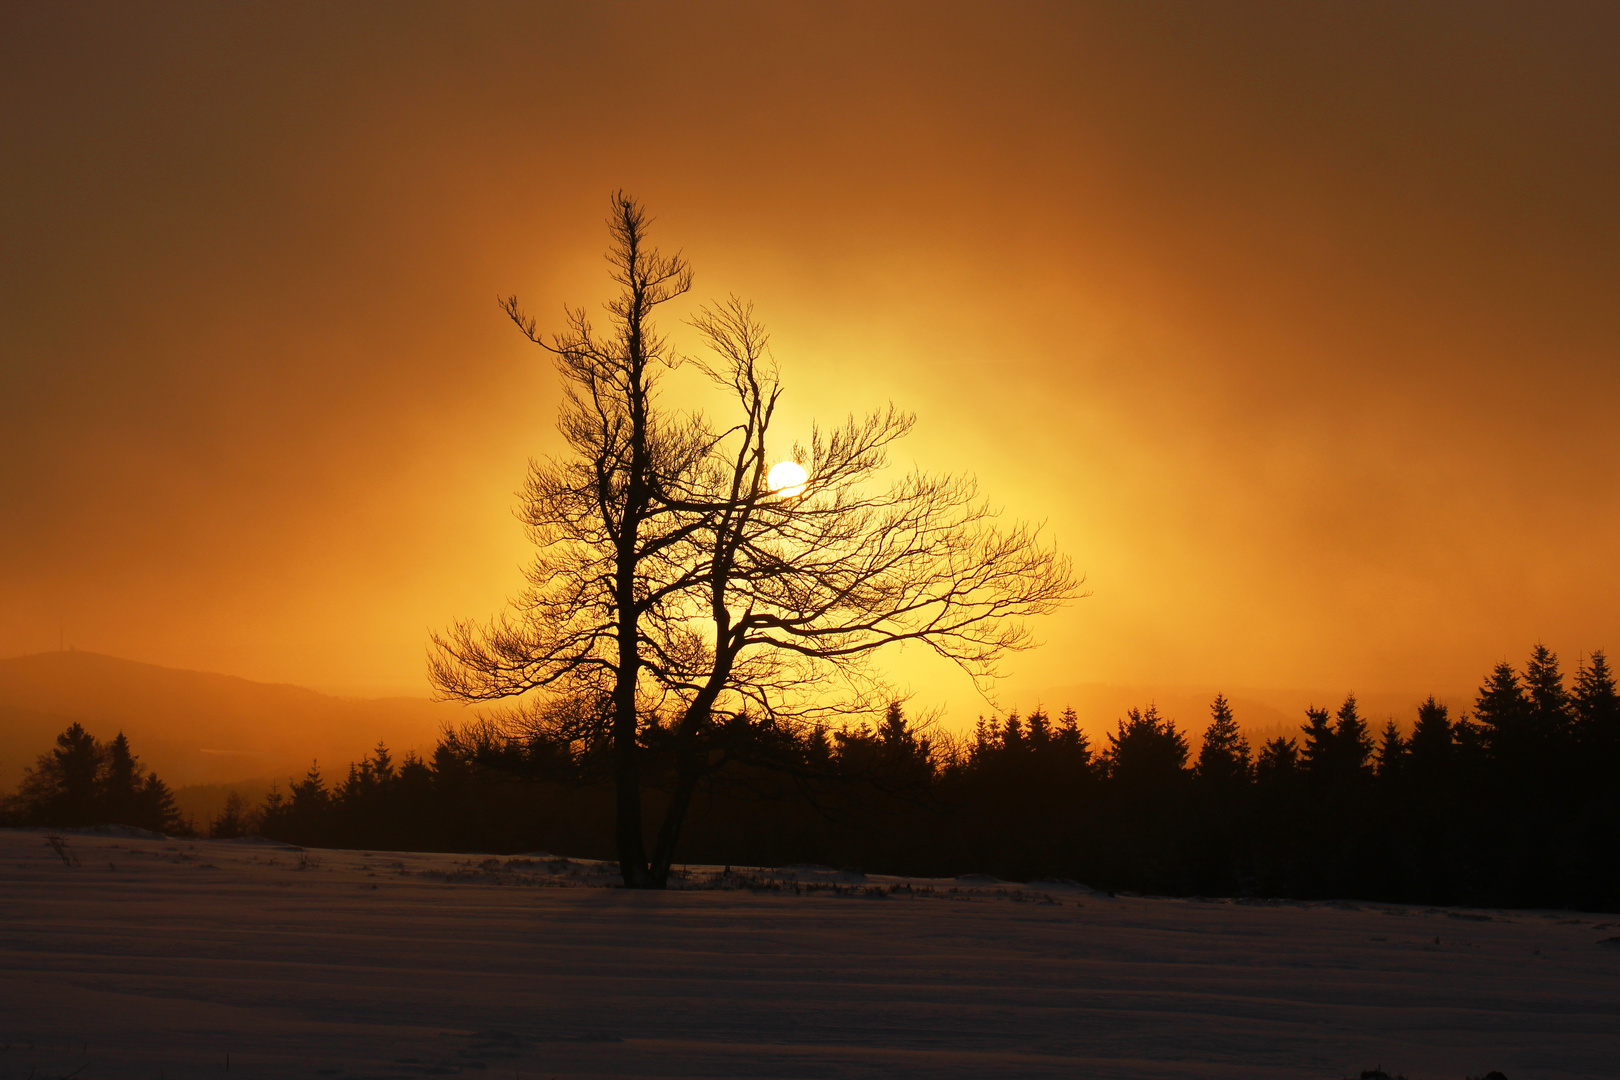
[[161, 957]]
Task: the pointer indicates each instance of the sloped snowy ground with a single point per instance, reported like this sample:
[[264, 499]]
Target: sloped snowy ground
[[156, 957]]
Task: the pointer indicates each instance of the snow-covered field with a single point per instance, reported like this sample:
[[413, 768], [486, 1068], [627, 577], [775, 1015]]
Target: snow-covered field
[[160, 957]]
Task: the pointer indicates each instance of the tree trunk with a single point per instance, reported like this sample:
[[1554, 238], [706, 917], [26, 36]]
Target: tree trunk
[[691, 771], [692, 762], [627, 784]]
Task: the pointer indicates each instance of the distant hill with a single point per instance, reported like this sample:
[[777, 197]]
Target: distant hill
[[194, 727]]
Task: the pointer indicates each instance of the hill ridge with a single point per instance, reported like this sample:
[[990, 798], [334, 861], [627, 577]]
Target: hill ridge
[[200, 726]]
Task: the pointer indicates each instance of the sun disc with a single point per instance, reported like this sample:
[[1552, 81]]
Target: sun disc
[[787, 478]]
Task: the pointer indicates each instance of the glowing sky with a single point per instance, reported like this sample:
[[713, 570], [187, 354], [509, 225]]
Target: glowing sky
[[1298, 324]]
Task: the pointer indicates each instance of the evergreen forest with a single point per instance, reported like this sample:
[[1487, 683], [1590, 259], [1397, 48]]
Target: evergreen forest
[[82, 781], [1514, 804]]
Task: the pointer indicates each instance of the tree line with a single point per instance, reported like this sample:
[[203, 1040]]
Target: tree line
[[82, 781], [1514, 804]]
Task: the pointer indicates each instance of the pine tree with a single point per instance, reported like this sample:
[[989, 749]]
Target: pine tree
[[1224, 757], [1146, 791], [85, 782], [1012, 733], [1279, 758], [1433, 803], [903, 758], [1430, 745], [986, 736], [1392, 752], [155, 809], [1147, 749], [1470, 748], [1317, 754], [1072, 750], [1550, 716], [121, 784], [1219, 829], [63, 787], [893, 729], [305, 816], [1040, 729], [1352, 744], [232, 820], [1596, 707], [1278, 782], [1502, 712]]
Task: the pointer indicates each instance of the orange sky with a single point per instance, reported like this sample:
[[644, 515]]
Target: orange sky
[[1297, 323]]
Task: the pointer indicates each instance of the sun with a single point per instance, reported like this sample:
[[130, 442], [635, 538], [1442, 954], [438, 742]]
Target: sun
[[787, 478]]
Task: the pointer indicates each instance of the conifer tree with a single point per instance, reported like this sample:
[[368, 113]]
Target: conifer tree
[[1596, 708], [85, 782], [1219, 829], [1549, 716], [121, 784], [1012, 733], [1040, 729], [1352, 744], [232, 820], [305, 815], [1278, 758], [1224, 757], [1430, 745], [1146, 749], [1278, 779], [1431, 802], [1392, 751], [63, 787], [1318, 752], [1073, 745], [1502, 712], [155, 808]]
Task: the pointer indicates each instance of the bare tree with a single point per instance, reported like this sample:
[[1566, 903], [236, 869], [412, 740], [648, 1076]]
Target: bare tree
[[677, 591]]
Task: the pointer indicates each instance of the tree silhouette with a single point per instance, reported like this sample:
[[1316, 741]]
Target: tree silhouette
[[1146, 770], [1318, 752], [1352, 743], [63, 786], [1430, 745], [121, 784], [679, 600], [1145, 749], [1503, 713], [1392, 752], [85, 782], [1279, 777], [1596, 711], [1223, 775], [1223, 760], [233, 820], [1596, 707], [1444, 818]]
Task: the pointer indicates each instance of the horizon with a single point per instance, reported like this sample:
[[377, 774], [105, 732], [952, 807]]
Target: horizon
[[1100, 705]]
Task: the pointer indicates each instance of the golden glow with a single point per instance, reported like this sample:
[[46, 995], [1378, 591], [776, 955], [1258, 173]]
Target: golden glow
[[787, 478], [1297, 330]]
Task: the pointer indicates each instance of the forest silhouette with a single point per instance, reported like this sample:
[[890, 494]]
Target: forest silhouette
[[1514, 804], [82, 781]]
